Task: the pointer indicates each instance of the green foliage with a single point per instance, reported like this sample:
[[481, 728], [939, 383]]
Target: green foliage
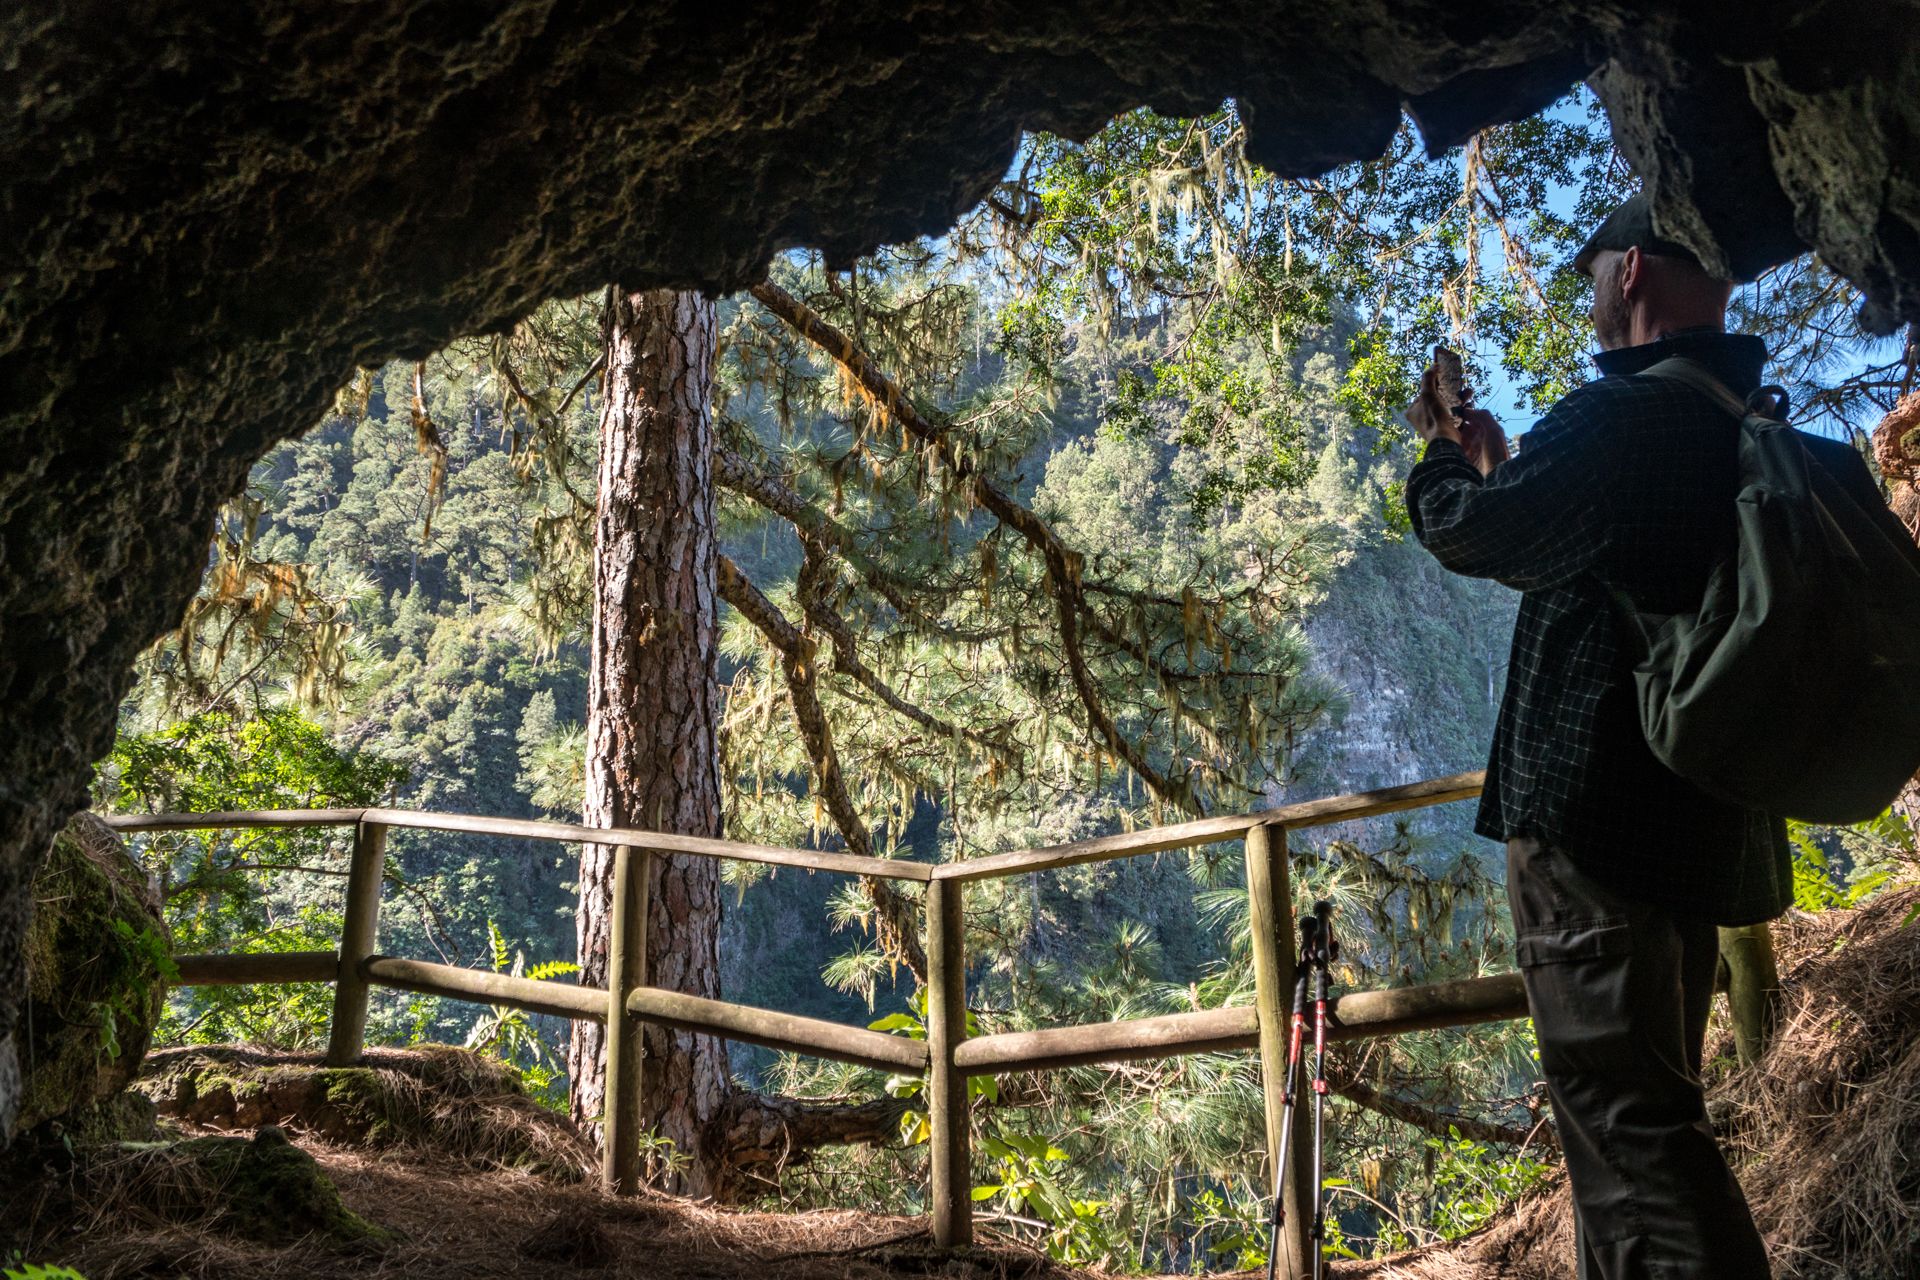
[[1844, 866], [215, 760], [1027, 1180], [1229, 1232], [1473, 1182], [508, 1033], [266, 890], [40, 1271], [660, 1159], [1206, 278]]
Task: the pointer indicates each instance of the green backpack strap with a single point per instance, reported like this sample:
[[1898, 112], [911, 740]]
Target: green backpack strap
[[1696, 375], [1693, 374]]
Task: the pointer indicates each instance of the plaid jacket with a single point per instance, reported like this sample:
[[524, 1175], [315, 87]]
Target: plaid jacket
[[1629, 482]]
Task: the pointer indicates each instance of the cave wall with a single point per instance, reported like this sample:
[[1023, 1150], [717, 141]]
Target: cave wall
[[211, 214]]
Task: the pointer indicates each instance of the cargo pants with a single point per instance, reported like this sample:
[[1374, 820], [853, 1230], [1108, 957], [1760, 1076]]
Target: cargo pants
[[1619, 992]]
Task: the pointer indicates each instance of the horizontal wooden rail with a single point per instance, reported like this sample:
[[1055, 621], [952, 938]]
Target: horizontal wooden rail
[[234, 819], [562, 999], [1127, 844], [1309, 813], [528, 829], [656, 842], [259, 966], [1168, 1036], [1356, 1015], [1393, 1011], [777, 1030], [950, 1055]]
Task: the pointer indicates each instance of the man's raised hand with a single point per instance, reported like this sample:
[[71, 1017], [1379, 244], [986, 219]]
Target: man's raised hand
[[1483, 439], [1428, 416], [1476, 431]]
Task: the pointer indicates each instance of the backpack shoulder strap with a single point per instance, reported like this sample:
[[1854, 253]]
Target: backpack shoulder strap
[[1696, 375], [1693, 374]]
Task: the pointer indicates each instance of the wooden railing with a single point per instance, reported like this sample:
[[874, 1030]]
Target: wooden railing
[[948, 1055]]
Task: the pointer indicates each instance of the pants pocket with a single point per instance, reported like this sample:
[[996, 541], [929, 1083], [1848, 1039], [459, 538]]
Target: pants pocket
[[1605, 938]]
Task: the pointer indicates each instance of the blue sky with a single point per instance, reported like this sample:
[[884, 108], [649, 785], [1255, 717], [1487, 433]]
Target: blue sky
[[1501, 396]]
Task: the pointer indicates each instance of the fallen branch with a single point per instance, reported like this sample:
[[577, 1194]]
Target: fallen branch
[[763, 1133], [904, 1237]]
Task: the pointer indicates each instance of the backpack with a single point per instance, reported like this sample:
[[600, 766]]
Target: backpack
[[1795, 687]]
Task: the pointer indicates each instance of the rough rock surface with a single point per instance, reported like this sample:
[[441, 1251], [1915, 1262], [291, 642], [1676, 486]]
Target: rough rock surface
[[212, 213], [95, 947]]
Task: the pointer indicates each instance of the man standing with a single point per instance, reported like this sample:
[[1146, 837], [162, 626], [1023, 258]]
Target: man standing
[[1618, 870]]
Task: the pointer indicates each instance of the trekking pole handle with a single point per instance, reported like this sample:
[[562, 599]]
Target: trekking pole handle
[[1328, 946]]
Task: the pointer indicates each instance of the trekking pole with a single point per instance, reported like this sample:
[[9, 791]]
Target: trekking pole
[[1277, 1220], [1325, 949]]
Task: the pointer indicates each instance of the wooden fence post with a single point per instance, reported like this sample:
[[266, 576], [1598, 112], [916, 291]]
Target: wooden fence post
[[625, 1038], [1753, 988], [359, 933], [1275, 952], [951, 1195]]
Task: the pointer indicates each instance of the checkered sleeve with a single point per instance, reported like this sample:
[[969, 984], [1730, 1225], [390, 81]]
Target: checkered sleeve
[[1537, 521]]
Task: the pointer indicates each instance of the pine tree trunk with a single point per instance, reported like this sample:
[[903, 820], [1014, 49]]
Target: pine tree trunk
[[653, 701]]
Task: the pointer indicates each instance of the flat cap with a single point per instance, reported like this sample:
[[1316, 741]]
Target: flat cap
[[1627, 227]]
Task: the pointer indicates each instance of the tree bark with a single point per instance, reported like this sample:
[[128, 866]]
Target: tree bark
[[1896, 448], [654, 703]]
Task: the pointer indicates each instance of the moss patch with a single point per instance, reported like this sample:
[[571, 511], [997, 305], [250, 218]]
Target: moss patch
[[97, 964], [266, 1189], [434, 1099]]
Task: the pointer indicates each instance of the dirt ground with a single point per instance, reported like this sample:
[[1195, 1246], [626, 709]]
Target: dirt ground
[[457, 1222]]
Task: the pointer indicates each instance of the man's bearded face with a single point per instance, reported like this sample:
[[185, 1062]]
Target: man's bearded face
[[1610, 320]]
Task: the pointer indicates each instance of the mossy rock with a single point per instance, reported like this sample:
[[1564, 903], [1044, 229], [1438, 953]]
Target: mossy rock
[[440, 1100], [266, 1189], [262, 1188], [98, 960]]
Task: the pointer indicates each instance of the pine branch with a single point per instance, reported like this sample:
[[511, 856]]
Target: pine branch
[[1441, 1123], [1062, 563], [898, 918], [847, 661], [822, 536], [733, 472]]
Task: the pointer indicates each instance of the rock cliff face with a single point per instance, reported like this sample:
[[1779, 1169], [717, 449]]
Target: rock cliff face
[[212, 213], [1420, 658]]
